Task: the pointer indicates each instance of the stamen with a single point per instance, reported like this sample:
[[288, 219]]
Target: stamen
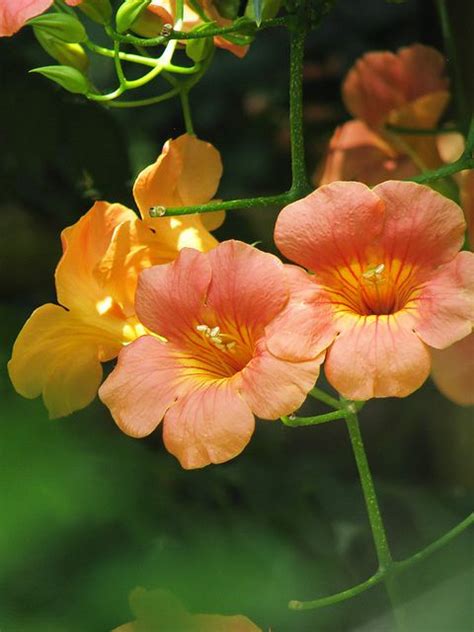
[[216, 337]]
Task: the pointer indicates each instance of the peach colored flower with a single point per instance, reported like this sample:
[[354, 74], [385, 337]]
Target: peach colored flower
[[358, 153], [160, 611], [388, 284], [453, 371], [160, 12], [15, 13], [59, 351], [215, 370], [407, 89]]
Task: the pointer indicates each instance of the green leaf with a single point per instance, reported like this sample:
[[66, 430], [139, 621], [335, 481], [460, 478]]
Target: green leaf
[[61, 26], [228, 8], [128, 12], [69, 78], [268, 8]]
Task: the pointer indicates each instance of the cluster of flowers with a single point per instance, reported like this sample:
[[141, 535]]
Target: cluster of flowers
[[210, 335]]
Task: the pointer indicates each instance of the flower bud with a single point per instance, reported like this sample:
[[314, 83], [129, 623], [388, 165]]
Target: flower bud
[[60, 26], [97, 10], [69, 78], [128, 12], [63, 52]]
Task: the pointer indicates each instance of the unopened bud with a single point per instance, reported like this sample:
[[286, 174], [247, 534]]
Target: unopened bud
[[69, 78], [66, 54], [99, 11], [60, 26], [128, 12]]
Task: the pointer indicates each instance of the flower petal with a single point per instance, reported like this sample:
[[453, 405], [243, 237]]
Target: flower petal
[[357, 153], [453, 371], [306, 326], [331, 227], [421, 226], [273, 387], [170, 297], [210, 425], [187, 172], [446, 304], [56, 354], [380, 82], [143, 385], [248, 286], [377, 356], [221, 623], [84, 244], [14, 13]]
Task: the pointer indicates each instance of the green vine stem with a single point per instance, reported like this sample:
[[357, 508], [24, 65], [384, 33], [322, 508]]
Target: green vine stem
[[300, 185], [388, 569], [243, 26]]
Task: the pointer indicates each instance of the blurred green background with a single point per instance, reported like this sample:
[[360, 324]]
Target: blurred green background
[[88, 514]]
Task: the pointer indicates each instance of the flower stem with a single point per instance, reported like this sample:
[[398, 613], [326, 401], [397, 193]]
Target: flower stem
[[184, 96], [377, 526], [299, 176]]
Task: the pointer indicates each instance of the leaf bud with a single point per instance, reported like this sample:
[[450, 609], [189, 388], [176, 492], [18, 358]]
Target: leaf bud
[[66, 54], [63, 27], [128, 12]]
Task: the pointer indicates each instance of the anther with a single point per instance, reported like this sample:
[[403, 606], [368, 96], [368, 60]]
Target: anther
[[374, 273]]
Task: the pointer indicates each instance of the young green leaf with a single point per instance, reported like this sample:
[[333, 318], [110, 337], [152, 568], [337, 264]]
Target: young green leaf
[[69, 78]]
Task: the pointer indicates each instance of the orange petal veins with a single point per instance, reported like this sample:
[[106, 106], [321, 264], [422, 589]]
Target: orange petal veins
[[194, 429], [376, 356], [56, 354], [453, 371]]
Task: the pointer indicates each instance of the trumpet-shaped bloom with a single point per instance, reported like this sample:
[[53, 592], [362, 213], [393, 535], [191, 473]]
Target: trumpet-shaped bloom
[[159, 610], [15, 13], [59, 351], [388, 283], [406, 89], [215, 371]]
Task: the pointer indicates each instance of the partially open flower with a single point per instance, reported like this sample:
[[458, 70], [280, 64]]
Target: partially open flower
[[388, 283], [15, 13], [215, 371]]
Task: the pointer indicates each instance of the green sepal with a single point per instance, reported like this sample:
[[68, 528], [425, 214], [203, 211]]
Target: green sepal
[[63, 52], [128, 12], [62, 26], [99, 11], [69, 78], [268, 9]]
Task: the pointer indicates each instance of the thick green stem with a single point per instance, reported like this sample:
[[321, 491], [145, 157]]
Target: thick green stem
[[299, 175]]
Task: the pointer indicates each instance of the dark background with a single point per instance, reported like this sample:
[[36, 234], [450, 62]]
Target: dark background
[[87, 514]]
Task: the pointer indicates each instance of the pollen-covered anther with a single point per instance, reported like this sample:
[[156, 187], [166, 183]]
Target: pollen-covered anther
[[216, 337], [374, 273]]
